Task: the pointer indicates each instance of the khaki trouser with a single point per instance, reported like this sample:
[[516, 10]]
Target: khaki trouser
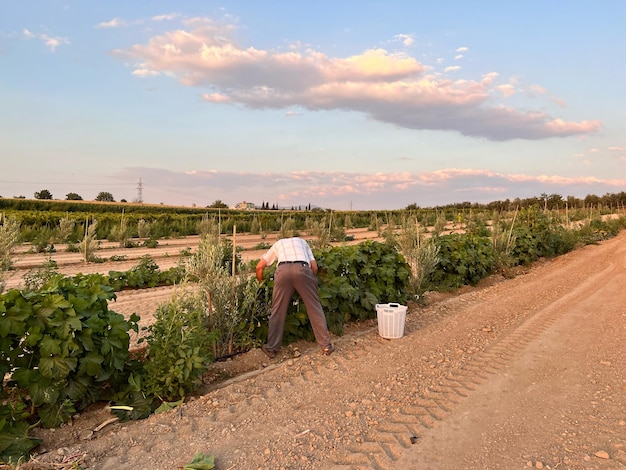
[[300, 278]]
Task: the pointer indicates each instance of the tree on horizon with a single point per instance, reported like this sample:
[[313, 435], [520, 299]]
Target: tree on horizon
[[73, 197], [105, 196], [218, 204], [43, 194]]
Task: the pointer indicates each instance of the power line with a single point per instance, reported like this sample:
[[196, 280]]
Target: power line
[[72, 183]]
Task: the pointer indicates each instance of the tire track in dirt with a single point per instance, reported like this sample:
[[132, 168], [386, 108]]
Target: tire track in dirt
[[386, 443]]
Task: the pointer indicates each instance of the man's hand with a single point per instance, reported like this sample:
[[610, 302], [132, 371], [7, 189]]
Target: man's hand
[[259, 269], [313, 265]]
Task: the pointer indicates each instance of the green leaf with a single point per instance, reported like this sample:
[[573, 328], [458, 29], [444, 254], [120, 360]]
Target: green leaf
[[44, 391], [15, 444], [65, 325], [49, 346], [134, 383], [53, 415], [201, 462], [51, 303], [57, 366], [24, 376], [91, 364], [141, 406], [33, 336], [79, 389], [14, 319], [169, 405], [85, 338]]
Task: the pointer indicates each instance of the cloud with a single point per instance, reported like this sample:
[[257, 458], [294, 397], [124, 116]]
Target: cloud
[[216, 98], [166, 17], [122, 23], [538, 89], [366, 190], [507, 89], [405, 39], [51, 42], [390, 87], [114, 23], [145, 73]]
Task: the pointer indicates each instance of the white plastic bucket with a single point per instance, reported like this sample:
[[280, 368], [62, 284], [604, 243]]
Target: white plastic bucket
[[391, 318]]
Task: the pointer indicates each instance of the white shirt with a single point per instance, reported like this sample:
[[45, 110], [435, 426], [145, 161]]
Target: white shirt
[[289, 249]]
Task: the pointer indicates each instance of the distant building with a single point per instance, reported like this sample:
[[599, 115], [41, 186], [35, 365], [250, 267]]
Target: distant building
[[244, 206]]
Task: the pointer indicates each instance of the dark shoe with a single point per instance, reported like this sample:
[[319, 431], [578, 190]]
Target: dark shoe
[[328, 351], [268, 352]]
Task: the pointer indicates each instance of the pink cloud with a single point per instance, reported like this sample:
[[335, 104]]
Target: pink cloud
[[391, 190], [389, 87], [583, 127]]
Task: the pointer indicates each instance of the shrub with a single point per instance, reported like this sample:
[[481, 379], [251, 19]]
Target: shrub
[[353, 279], [62, 345], [229, 302], [212, 255], [42, 243], [231, 311], [150, 243], [464, 259], [178, 348], [144, 274], [72, 248]]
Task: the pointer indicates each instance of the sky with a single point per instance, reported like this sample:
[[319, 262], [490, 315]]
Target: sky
[[345, 105]]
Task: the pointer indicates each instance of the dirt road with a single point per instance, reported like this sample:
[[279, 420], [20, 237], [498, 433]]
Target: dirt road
[[520, 373]]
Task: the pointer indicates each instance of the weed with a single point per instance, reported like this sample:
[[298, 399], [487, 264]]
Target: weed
[[65, 230], [503, 241], [143, 228], [9, 236], [420, 252], [35, 279], [90, 244], [72, 248], [120, 233]]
